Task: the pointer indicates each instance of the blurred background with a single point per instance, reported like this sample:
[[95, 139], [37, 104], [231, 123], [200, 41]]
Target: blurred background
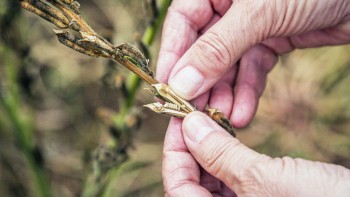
[[59, 109]]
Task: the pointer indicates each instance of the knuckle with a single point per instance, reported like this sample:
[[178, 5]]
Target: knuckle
[[216, 56], [218, 155], [262, 17], [192, 13], [254, 178]]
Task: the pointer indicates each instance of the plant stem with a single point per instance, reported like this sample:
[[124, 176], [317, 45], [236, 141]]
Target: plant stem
[[134, 82], [152, 30], [10, 101]]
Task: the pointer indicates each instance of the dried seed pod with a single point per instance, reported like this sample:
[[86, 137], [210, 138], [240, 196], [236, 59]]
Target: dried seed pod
[[74, 5], [171, 106], [164, 91], [71, 41], [130, 52], [46, 12], [68, 2], [168, 110], [221, 119], [71, 15], [74, 25], [95, 43]]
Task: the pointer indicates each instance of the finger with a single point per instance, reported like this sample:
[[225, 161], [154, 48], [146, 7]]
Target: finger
[[250, 83], [201, 101], [214, 185], [251, 174], [222, 97], [296, 177], [180, 30], [231, 75], [214, 52], [216, 151], [209, 182], [180, 171], [212, 21], [212, 55], [331, 36], [226, 191], [221, 6], [279, 45]]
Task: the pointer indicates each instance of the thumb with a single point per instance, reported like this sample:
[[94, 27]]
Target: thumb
[[216, 51], [216, 151], [249, 173]]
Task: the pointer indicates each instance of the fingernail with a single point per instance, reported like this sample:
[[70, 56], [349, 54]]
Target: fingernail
[[197, 127], [186, 82]]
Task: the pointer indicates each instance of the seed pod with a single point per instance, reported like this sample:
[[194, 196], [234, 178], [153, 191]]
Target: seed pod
[[68, 2], [75, 7], [172, 106], [46, 12], [95, 43], [166, 109], [221, 119], [130, 52], [71, 41], [164, 91]]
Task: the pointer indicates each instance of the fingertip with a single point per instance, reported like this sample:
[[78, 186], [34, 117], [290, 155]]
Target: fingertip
[[250, 83], [196, 126], [222, 98], [186, 82], [216, 151], [244, 107]]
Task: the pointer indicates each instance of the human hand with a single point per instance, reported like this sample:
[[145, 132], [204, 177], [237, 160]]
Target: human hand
[[226, 167], [202, 41]]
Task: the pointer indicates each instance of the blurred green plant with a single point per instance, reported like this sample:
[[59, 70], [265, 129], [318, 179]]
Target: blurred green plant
[[305, 110], [112, 152], [18, 119], [122, 124]]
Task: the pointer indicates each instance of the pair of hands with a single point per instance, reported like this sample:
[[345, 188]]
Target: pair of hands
[[202, 42]]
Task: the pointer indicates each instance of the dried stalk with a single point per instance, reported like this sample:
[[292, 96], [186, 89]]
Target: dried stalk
[[78, 35]]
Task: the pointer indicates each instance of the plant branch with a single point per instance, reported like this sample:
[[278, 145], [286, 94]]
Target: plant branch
[[87, 41]]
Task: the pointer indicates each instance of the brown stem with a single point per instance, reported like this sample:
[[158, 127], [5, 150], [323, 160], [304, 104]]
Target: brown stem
[[144, 76]]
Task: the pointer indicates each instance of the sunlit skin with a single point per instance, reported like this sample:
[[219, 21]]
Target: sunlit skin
[[205, 39]]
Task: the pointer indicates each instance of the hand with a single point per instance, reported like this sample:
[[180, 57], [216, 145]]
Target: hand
[[202, 41], [226, 167]]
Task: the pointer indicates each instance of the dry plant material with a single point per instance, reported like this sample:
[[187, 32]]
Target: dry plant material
[[75, 33]]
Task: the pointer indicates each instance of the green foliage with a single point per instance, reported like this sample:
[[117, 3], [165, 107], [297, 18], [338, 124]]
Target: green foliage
[[68, 122]]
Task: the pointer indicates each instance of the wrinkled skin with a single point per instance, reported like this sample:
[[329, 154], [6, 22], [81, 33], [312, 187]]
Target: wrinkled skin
[[202, 42]]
